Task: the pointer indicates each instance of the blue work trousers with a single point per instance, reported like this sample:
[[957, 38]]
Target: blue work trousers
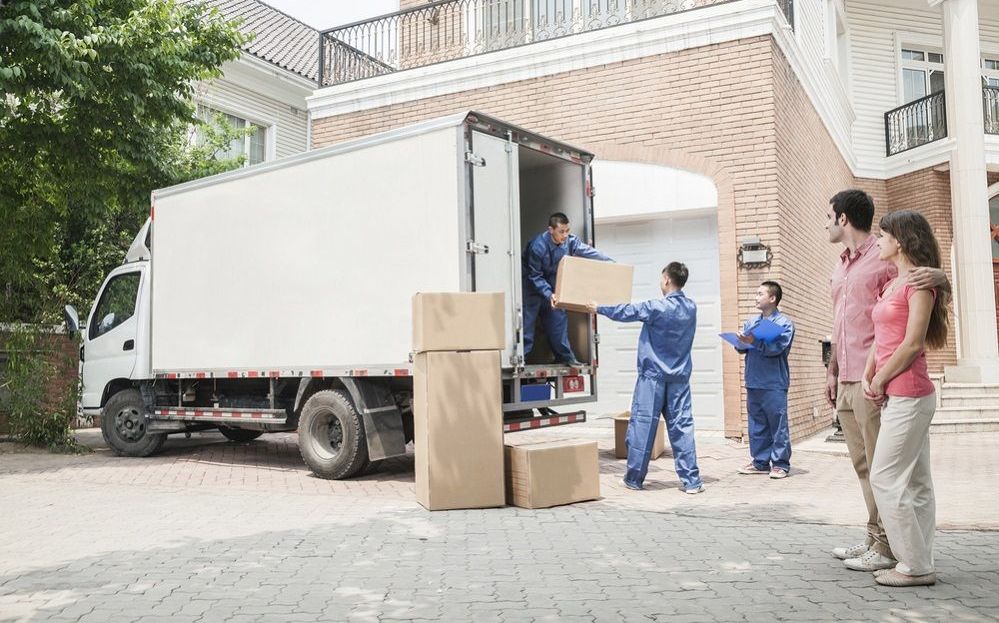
[[654, 398], [555, 322], [769, 437]]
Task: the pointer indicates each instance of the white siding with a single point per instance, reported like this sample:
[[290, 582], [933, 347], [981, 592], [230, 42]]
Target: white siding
[[876, 31], [288, 124]]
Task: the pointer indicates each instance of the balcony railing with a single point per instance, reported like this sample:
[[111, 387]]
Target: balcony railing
[[990, 105], [917, 123], [924, 120], [452, 29]]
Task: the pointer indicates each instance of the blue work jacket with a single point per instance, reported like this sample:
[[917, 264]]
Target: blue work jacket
[[766, 363], [541, 258], [667, 334]]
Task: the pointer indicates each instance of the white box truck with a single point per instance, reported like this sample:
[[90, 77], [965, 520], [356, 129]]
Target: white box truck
[[278, 297]]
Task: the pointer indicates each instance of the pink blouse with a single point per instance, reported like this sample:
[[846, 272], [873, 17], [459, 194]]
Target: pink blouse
[[890, 315]]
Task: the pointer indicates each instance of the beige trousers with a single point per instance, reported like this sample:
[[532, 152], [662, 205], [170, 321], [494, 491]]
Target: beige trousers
[[901, 481], [861, 421]]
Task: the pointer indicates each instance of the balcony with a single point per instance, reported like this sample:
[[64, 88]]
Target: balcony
[[452, 29], [924, 120]]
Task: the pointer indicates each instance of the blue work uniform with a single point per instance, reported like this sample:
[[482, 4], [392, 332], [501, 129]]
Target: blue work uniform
[[540, 259], [663, 385], [767, 379]]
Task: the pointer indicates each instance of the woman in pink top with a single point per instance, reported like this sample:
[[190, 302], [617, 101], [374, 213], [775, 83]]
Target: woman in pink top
[[905, 321]]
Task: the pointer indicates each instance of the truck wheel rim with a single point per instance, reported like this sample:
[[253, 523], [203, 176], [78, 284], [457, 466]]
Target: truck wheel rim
[[129, 424], [327, 434]]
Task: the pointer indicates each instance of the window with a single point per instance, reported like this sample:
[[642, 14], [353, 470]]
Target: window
[[922, 73], [117, 304], [990, 72], [253, 146]]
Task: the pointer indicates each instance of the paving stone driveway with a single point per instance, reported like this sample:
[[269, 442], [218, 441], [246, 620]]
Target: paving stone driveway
[[216, 531]]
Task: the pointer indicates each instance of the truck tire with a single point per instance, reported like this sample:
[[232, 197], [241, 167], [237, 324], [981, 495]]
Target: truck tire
[[123, 424], [239, 434], [331, 435]]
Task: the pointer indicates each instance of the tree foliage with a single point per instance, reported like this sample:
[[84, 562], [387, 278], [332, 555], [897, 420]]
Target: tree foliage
[[95, 112]]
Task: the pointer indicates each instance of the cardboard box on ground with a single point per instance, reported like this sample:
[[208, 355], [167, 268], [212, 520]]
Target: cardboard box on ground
[[579, 281], [621, 430], [458, 429], [551, 473]]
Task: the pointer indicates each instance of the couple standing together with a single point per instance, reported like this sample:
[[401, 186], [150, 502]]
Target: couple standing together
[[889, 302]]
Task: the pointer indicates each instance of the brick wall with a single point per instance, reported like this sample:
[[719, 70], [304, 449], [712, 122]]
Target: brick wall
[[715, 110], [62, 353]]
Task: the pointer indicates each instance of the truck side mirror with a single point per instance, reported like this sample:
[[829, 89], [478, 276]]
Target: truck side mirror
[[72, 320]]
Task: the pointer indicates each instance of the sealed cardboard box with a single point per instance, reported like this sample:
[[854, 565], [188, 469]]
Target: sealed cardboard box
[[580, 281], [448, 321], [621, 431], [550, 473], [458, 430]]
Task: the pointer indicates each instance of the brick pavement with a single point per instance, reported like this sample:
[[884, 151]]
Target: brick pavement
[[215, 531]]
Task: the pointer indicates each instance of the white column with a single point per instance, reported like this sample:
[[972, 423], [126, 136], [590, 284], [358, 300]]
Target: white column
[[978, 356]]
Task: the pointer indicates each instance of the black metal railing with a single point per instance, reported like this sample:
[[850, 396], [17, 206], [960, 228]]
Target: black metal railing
[[451, 29], [917, 123], [990, 106]]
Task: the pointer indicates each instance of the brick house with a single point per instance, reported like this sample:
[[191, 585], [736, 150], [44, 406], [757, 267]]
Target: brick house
[[718, 126]]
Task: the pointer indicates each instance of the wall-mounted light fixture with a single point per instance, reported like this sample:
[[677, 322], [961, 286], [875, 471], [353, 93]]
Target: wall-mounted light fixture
[[753, 253]]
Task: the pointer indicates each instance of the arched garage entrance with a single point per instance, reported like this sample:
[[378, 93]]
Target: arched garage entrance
[[648, 215]]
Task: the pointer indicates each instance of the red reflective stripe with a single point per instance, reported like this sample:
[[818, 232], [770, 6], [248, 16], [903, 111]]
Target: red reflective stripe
[[199, 375], [171, 375], [316, 373], [401, 372], [232, 374], [274, 374], [359, 373], [252, 374]]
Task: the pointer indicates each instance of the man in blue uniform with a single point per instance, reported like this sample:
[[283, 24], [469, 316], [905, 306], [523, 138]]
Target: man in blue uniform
[[767, 379], [663, 386], [541, 258]]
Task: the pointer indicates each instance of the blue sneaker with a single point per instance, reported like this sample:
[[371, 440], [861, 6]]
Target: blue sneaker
[[631, 486]]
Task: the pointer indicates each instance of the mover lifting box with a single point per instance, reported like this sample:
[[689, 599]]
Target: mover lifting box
[[448, 321], [550, 473], [580, 281], [621, 430], [458, 429]]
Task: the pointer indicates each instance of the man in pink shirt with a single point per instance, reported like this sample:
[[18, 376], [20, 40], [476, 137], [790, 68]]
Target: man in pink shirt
[[857, 280]]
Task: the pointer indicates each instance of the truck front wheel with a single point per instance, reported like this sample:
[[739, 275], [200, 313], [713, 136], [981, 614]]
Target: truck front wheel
[[331, 436], [124, 426]]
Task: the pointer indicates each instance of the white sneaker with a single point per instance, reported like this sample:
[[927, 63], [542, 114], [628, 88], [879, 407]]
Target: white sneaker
[[694, 490], [855, 551], [871, 561]]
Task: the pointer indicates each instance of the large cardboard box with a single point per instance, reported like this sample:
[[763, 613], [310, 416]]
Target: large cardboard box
[[458, 430], [449, 321], [550, 473], [621, 431], [580, 281]]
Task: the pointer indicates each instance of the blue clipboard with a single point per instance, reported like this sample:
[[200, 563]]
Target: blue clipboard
[[766, 330], [733, 339]]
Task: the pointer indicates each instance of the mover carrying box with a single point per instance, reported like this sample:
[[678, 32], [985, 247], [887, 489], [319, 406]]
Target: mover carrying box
[[543, 474], [579, 281], [458, 430], [621, 431], [447, 321]]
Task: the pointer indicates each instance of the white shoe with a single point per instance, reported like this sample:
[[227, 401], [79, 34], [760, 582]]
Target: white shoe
[[871, 561], [855, 551], [695, 490]]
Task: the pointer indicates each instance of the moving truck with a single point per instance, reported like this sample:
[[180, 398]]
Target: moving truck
[[278, 297]]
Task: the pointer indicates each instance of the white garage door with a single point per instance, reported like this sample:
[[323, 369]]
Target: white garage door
[[649, 245]]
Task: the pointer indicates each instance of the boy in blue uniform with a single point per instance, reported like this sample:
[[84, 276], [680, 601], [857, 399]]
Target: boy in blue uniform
[[540, 264], [663, 385], [767, 380]]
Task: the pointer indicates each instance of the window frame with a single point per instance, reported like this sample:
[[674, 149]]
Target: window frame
[[269, 128], [94, 324]]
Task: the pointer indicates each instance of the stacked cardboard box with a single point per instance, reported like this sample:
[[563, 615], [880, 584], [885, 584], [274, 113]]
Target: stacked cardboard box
[[457, 399], [621, 431], [551, 473], [578, 282]]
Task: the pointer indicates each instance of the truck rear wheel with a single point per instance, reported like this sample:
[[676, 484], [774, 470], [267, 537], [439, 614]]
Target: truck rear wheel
[[124, 426], [239, 434], [331, 436]]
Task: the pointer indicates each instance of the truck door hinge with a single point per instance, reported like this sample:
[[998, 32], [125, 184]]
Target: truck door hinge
[[474, 160], [476, 248]]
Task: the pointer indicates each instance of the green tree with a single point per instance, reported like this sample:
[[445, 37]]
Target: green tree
[[95, 113]]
